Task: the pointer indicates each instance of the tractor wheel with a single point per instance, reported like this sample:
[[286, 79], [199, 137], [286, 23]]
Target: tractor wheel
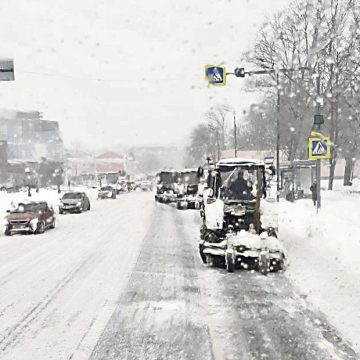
[[263, 264]]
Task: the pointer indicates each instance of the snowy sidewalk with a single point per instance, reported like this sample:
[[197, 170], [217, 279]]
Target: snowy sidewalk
[[324, 253]]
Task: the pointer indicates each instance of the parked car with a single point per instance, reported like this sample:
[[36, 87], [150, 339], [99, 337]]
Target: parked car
[[74, 202], [32, 217], [107, 192], [145, 185]]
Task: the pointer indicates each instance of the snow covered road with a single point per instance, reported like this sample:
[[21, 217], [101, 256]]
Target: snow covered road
[[57, 290], [124, 281]]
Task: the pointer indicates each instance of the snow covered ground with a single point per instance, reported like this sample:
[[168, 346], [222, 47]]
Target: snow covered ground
[[58, 289], [117, 265], [51, 196], [324, 253]]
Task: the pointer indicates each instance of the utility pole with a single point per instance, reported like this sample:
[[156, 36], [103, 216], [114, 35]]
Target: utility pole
[[278, 139], [317, 126], [216, 128], [218, 143], [235, 140]]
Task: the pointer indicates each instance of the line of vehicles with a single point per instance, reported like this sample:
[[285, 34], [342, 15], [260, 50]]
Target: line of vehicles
[[232, 196], [183, 188], [35, 217]]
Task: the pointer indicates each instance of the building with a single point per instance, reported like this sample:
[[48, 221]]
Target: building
[[110, 168], [110, 162], [29, 137], [27, 141]]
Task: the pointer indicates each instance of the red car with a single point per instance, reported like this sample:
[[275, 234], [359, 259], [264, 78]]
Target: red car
[[33, 217]]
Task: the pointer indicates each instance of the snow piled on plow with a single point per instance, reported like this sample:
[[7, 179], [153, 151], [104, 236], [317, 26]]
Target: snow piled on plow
[[324, 254]]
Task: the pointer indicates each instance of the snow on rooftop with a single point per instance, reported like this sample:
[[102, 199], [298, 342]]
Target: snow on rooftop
[[231, 161]]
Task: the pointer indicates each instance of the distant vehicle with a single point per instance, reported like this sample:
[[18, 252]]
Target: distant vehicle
[[121, 187], [32, 217], [131, 186], [187, 190], [107, 192], [145, 185], [165, 186], [74, 202]]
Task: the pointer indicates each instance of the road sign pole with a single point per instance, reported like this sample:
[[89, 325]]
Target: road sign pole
[[318, 161], [235, 140], [278, 140]]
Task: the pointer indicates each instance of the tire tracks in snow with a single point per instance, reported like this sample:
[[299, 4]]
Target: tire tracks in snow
[[158, 315], [14, 334]]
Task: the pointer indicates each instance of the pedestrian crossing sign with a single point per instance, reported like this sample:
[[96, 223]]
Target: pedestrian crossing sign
[[215, 75], [319, 148]]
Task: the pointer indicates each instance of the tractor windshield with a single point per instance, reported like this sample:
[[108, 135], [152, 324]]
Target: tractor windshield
[[190, 178], [167, 178], [240, 183]]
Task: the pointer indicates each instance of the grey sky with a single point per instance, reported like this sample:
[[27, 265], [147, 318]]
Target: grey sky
[[114, 71]]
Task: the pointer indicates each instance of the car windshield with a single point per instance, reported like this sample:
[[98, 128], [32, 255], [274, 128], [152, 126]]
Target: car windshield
[[29, 208], [73, 196]]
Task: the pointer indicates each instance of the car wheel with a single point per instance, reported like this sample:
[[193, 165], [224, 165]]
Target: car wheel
[[88, 207], [61, 211], [53, 225], [40, 228], [7, 232], [230, 264]]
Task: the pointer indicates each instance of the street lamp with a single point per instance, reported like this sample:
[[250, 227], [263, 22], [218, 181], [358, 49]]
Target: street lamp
[[58, 177], [216, 128], [28, 179]]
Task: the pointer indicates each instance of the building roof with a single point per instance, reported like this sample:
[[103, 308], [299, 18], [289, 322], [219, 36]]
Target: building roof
[[238, 161], [109, 155], [105, 168]]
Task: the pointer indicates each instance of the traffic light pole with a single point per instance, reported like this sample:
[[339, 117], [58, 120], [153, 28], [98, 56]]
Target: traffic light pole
[[235, 140], [240, 72], [278, 139], [318, 161]]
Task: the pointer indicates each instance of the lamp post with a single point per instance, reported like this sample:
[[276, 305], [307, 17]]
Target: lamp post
[[58, 177], [240, 72], [235, 139], [211, 127], [278, 139], [28, 180]]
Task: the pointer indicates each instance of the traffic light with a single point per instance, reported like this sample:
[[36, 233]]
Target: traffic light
[[239, 72], [318, 119]]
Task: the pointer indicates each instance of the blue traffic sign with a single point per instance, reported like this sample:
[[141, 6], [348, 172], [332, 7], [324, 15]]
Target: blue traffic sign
[[215, 75], [319, 148]]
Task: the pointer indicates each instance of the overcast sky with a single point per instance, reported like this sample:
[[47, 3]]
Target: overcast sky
[[132, 72]]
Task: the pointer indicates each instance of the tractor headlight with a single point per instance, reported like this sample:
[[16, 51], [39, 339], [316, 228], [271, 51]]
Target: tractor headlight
[[34, 223]]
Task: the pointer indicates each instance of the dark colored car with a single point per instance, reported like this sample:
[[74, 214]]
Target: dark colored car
[[33, 217], [107, 192], [74, 202]]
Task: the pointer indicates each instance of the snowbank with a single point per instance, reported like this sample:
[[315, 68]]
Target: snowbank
[[324, 254], [51, 196]]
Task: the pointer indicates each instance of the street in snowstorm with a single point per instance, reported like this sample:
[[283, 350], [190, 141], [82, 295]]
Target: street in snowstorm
[[126, 282], [180, 180]]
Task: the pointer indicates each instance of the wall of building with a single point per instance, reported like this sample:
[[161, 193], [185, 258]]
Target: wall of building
[[30, 138]]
